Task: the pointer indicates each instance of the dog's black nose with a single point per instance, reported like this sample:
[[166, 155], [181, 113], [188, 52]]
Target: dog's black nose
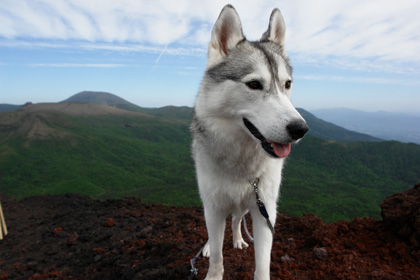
[[297, 129]]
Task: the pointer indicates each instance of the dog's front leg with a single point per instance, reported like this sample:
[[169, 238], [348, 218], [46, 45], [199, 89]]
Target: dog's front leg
[[263, 240], [238, 241], [216, 224]]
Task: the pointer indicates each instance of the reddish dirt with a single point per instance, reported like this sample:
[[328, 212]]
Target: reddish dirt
[[75, 237]]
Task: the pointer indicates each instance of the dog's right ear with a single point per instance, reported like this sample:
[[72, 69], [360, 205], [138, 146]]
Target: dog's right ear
[[276, 29], [226, 34]]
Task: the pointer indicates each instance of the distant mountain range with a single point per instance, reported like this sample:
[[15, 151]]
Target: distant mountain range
[[384, 125], [95, 103], [9, 107], [318, 127], [106, 147], [329, 131], [337, 124]]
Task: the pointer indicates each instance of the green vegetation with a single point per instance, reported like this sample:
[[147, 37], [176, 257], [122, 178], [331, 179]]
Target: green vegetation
[[114, 156], [336, 180], [169, 112], [105, 157]]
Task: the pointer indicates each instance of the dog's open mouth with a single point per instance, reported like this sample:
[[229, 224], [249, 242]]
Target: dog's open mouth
[[276, 150]]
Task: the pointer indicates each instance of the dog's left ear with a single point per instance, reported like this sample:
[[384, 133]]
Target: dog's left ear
[[276, 31]]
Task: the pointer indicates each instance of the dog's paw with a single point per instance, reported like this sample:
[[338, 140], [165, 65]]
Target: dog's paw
[[206, 250], [213, 278], [215, 273], [240, 244]]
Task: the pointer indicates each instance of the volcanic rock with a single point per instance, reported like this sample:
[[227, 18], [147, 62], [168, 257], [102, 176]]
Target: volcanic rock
[[73, 236], [401, 214], [321, 253]]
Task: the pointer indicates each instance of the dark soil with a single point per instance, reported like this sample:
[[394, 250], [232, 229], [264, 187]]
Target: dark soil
[[75, 237]]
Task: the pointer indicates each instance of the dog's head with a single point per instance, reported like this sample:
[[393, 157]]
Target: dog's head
[[255, 79]]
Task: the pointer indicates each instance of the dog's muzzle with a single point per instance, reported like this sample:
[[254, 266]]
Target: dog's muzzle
[[295, 129]]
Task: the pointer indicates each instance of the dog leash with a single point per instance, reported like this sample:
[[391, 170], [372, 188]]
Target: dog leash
[[194, 270], [264, 213], [261, 205]]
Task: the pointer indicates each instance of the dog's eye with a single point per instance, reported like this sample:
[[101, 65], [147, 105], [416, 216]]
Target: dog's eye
[[288, 84], [255, 85]]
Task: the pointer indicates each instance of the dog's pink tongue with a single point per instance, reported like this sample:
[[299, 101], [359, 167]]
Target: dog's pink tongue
[[281, 150]]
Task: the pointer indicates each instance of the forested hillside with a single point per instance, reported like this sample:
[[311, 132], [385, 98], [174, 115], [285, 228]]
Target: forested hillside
[[103, 156], [338, 180], [106, 152]]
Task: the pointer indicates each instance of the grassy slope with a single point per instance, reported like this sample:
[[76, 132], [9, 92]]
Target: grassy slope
[[336, 180], [106, 156], [117, 156]]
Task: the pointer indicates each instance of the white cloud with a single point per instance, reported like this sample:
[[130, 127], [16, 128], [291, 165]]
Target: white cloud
[[81, 65], [92, 46], [385, 32], [363, 80]]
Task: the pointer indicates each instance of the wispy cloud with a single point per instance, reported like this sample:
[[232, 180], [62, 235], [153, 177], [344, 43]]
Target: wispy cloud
[[81, 65], [367, 64], [157, 22], [94, 46], [363, 80], [159, 57], [380, 31]]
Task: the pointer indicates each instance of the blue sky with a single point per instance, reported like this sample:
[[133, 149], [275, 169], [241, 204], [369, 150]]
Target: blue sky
[[356, 54]]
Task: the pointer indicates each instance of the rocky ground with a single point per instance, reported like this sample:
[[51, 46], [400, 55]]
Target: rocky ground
[[75, 237]]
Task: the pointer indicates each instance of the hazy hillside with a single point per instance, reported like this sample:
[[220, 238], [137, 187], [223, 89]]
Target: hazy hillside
[[332, 124], [97, 97], [329, 131], [8, 107], [384, 125], [169, 112], [317, 127], [106, 152]]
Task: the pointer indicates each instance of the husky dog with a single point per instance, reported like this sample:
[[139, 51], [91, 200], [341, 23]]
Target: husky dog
[[243, 127]]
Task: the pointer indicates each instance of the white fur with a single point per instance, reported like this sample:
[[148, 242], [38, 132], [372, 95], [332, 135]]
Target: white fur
[[227, 156]]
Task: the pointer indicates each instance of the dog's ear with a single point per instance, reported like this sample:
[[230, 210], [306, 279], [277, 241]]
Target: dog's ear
[[276, 31], [226, 34]]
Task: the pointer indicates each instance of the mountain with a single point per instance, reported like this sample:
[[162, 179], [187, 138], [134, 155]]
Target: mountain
[[318, 127], [8, 107], [92, 97], [108, 152], [97, 97], [169, 112], [330, 131], [385, 125]]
